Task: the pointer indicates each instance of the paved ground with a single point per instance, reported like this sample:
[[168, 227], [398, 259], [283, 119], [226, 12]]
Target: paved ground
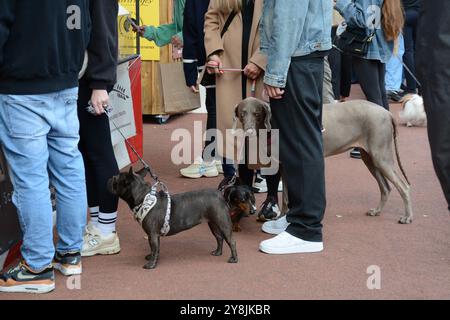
[[414, 259]]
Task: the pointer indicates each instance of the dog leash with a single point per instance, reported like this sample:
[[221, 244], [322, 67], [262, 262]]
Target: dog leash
[[253, 86], [409, 70], [141, 211]]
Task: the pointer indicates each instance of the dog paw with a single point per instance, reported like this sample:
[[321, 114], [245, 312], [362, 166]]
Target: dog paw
[[216, 253], [233, 260], [150, 265], [373, 212], [405, 220]]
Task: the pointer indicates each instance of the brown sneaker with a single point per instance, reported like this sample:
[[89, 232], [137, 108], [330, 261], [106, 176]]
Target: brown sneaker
[[22, 279]]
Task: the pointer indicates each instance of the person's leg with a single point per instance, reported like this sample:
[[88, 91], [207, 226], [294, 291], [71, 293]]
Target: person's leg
[[436, 95], [84, 95], [328, 95], [270, 209], [346, 75], [246, 175], [335, 64], [382, 84], [211, 124], [23, 134], [409, 38], [67, 172], [101, 165], [394, 72], [368, 74], [205, 165], [297, 115]]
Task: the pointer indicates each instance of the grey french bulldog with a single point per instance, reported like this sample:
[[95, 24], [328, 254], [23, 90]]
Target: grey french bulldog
[[187, 211]]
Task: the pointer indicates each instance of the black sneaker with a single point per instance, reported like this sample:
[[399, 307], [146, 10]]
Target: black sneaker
[[355, 153], [22, 279], [395, 96], [68, 264], [269, 210]]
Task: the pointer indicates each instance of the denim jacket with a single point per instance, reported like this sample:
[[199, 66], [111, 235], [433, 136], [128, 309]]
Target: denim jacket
[[292, 28], [367, 14]]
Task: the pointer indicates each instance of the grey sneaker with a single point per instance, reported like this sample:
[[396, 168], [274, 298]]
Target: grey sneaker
[[68, 264]]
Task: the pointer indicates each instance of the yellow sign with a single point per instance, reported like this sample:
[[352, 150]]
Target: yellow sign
[[149, 15]]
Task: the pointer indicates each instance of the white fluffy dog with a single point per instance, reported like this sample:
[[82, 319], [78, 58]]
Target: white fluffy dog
[[413, 113]]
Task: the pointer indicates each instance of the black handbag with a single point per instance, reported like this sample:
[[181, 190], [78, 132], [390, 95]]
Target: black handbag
[[209, 80], [10, 232], [354, 41]]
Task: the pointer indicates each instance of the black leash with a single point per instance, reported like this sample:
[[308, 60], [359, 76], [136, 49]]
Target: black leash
[[141, 160]]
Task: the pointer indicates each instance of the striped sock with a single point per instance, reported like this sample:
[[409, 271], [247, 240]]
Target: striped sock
[[107, 222], [93, 213]]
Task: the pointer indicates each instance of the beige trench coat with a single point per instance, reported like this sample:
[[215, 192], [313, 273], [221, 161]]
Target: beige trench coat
[[229, 84]]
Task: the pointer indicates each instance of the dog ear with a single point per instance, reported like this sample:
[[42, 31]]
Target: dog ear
[[227, 193], [268, 118], [142, 173], [235, 119]]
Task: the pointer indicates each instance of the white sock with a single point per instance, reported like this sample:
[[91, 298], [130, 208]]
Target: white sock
[[107, 223], [93, 213]]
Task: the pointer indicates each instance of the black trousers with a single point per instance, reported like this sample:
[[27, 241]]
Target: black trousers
[[371, 75], [341, 69], [98, 154], [433, 70], [298, 117], [211, 122], [436, 98], [409, 35]]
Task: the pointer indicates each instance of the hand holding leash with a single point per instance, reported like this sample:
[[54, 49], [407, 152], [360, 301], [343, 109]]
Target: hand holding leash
[[214, 65], [99, 101]]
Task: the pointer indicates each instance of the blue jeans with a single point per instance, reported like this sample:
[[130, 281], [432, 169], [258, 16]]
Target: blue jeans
[[39, 135], [394, 68]]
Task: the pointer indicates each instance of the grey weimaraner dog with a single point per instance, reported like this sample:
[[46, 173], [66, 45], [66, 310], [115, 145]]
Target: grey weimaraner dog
[[356, 123]]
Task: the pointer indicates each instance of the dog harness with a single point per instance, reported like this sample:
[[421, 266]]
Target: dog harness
[[141, 211]]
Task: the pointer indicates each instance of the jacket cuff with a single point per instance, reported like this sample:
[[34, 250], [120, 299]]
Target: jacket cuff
[[98, 85], [149, 33], [274, 81]]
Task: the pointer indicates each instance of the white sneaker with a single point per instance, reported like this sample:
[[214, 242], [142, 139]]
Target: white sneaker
[[199, 169], [90, 227], [260, 184], [219, 166], [285, 243], [275, 226], [95, 243]]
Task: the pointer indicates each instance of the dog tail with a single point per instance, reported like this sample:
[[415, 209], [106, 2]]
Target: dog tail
[[395, 132]]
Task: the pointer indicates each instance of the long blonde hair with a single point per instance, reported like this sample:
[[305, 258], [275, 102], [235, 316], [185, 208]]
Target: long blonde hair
[[393, 19], [227, 6]]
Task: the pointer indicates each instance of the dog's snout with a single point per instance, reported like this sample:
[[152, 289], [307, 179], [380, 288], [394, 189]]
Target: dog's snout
[[251, 132]]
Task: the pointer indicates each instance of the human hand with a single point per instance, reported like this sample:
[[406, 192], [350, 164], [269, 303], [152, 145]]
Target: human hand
[[273, 92], [194, 89], [214, 64], [177, 42], [99, 100], [140, 30], [252, 71]]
